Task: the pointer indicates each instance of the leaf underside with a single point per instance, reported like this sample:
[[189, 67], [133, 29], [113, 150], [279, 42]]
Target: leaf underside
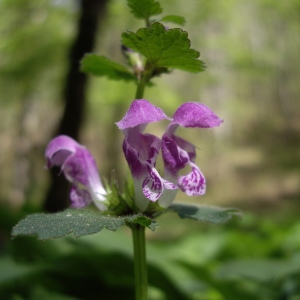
[[80, 222], [164, 48], [174, 19], [206, 214]]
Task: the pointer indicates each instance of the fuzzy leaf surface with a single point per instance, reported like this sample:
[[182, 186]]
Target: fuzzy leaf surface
[[206, 214], [164, 48], [80, 222], [144, 9], [102, 66]]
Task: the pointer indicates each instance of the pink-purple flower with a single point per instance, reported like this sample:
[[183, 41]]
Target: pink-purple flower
[[79, 167], [141, 151]]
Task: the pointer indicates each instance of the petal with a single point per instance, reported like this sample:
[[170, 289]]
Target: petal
[[80, 169], [59, 149], [193, 184], [169, 185], [79, 197], [168, 195], [140, 148], [189, 148], [140, 201], [155, 187], [141, 112], [177, 153], [152, 185], [195, 114]]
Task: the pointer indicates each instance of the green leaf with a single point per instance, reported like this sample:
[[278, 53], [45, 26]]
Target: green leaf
[[101, 66], [77, 221], [207, 214], [164, 48], [144, 9], [146, 222], [174, 19], [270, 269]]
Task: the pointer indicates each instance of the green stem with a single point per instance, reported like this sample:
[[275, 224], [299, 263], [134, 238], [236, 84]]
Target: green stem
[[147, 22], [140, 264], [141, 87], [138, 231]]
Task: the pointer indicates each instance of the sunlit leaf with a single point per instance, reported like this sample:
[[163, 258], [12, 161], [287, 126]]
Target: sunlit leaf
[[207, 214], [144, 9], [164, 48], [77, 221]]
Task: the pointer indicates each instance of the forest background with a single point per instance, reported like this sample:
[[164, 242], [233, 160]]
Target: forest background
[[252, 162]]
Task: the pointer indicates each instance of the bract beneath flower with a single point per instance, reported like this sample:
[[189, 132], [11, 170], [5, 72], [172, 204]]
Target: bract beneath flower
[[79, 167]]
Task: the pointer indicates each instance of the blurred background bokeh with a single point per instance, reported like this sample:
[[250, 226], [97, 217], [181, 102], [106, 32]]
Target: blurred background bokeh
[[251, 162]]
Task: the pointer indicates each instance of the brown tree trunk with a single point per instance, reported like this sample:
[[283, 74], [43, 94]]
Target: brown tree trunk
[[57, 197]]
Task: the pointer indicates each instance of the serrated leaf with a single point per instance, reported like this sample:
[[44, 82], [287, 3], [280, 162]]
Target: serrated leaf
[[102, 66], [174, 19], [144, 9], [164, 48], [206, 214], [80, 222]]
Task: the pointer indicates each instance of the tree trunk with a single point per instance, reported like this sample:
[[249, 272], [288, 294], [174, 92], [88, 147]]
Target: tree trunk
[[74, 94]]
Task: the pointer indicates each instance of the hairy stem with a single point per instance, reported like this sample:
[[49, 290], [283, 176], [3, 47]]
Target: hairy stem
[[140, 264]]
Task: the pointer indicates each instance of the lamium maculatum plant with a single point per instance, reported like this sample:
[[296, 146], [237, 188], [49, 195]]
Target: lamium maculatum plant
[[151, 51]]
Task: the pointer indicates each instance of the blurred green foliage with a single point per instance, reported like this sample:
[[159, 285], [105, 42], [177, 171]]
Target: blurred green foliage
[[249, 258]]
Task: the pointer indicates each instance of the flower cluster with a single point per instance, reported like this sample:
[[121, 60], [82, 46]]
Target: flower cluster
[[141, 151]]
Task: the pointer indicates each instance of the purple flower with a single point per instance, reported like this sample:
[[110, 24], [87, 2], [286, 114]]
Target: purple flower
[[178, 153], [79, 167], [141, 151]]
